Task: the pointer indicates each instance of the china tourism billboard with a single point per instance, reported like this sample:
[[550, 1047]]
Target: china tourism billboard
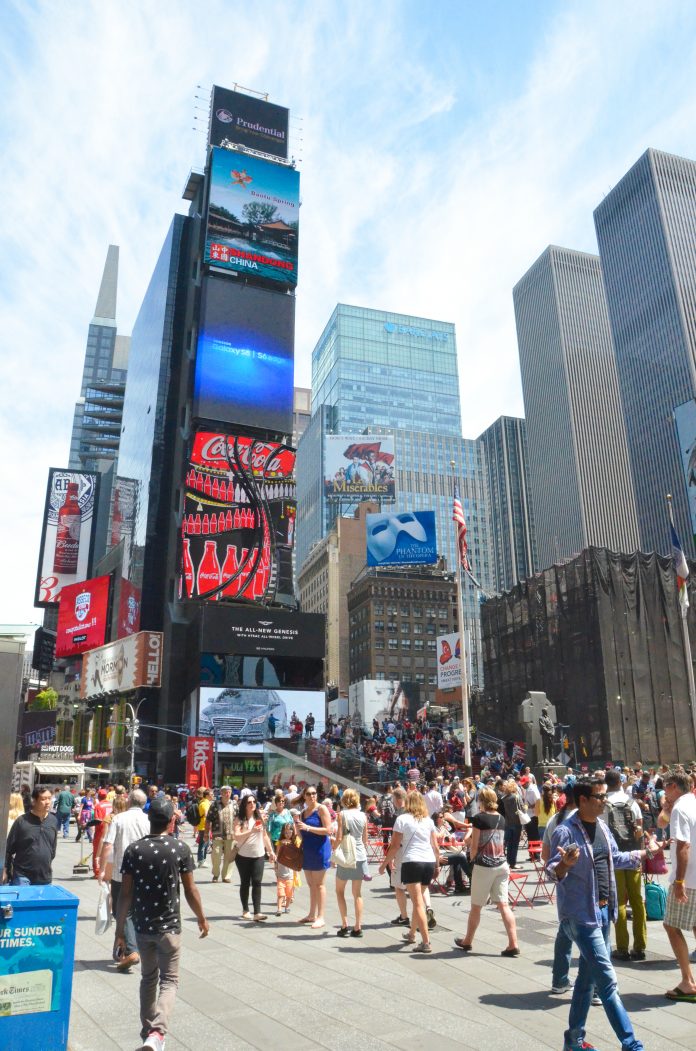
[[245, 356], [242, 719], [359, 466], [401, 538], [239, 119], [253, 217], [238, 527], [67, 536], [82, 615]]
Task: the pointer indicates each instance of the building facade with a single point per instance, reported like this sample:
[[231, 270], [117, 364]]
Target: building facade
[[511, 521], [646, 230], [580, 477]]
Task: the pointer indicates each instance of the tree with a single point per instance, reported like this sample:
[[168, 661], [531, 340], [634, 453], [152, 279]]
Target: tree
[[44, 701], [259, 213]]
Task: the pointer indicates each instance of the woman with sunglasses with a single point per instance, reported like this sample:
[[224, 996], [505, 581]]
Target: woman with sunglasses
[[314, 825], [252, 846]]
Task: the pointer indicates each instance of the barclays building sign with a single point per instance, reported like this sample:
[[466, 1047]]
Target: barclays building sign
[[419, 333]]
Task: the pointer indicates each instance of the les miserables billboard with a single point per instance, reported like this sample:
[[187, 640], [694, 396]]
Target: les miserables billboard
[[82, 615]]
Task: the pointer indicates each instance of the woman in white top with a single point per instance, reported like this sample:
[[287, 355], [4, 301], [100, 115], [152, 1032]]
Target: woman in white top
[[351, 819], [252, 846], [415, 833]]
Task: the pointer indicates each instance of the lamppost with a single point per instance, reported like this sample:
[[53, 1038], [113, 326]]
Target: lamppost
[[132, 726]]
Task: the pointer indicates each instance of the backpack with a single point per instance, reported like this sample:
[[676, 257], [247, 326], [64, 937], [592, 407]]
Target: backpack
[[622, 823], [193, 814], [655, 901]]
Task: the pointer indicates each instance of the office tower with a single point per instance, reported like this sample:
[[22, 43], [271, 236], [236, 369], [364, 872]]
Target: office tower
[[301, 413], [511, 520], [580, 479], [646, 230]]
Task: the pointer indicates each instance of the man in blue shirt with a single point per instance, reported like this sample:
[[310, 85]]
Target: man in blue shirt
[[583, 858]]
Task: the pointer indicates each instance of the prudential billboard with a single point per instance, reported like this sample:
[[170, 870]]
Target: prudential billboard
[[407, 538]]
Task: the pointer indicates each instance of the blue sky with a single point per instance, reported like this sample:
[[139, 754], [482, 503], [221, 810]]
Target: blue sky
[[441, 148]]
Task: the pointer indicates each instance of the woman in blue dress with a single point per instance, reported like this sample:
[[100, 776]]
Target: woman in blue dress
[[314, 826]]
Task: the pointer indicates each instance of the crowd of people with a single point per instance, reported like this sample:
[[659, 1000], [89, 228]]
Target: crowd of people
[[594, 835]]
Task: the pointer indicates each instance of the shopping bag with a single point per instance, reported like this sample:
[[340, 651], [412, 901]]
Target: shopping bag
[[103, 918]]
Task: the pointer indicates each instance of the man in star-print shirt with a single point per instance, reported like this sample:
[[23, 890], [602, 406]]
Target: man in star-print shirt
[[151, 870]]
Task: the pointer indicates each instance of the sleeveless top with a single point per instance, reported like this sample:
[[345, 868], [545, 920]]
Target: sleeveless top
[[356, 822]]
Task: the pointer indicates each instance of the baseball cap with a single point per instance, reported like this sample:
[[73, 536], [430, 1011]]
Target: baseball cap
[[101, 794], [161, 807]]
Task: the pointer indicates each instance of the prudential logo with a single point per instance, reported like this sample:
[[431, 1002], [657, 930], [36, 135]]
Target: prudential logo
[[419, 333]]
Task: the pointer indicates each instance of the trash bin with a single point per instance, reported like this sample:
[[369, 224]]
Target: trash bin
[[37, 953]]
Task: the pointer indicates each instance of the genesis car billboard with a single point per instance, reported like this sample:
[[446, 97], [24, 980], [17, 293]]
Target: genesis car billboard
[[405, 538], [241, 720], [245, 356], [237, 119]]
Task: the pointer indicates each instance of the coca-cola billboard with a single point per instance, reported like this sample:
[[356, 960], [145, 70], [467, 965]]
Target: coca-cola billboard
[[82, 615], [67, 536], [238, 526], [199, 761]]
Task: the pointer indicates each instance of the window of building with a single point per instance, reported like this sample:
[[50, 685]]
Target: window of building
[[379, 625], [379, 644], [430, 629], [432, 645], [405, 644], [391, 609], [442, 612], [405, 629], [417, 629], [393, 644], [432, 680], [391, 625], [430, 613], [417, 611], [404, 610], [378, 607], [418, 644], [420, 678]]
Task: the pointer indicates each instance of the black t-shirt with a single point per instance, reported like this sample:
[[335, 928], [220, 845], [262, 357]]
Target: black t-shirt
[[491, 839], [31, 847], [155, 864], [600, 852]]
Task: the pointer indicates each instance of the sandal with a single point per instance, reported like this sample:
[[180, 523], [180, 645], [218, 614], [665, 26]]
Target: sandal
[[461, 944], [409, 937], [342, 932], [680, 996], [356, 934], [423, 947]]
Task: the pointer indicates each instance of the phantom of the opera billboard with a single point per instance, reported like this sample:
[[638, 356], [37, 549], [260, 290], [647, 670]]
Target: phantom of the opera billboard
[[241, 719], [401, 538], [253, 217], [239, 519], [68, 533], [359, 466], [237, 119]]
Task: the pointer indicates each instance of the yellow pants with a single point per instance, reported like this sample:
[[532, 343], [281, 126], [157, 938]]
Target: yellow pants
[[628, 887], [222, 854], [286, 889]]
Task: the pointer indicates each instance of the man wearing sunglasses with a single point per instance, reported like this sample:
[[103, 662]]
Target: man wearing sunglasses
[[583, 858]]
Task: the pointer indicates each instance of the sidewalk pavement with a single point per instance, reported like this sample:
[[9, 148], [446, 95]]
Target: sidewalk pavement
[[277, 985]]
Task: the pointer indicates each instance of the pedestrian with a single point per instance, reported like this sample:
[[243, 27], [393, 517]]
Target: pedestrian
[[219, 826], [532, 797], [125, 829], [563, 944], [352, 821], [151, 870], [203, 801], [64, 808], [583, 858], [102, 811], [680, 914], [490, 872], [419, 863], [314, 824], [31, 843], [278, 817], [512, 807], [624, 818], [252, 846], [16, 809], [285, 876]]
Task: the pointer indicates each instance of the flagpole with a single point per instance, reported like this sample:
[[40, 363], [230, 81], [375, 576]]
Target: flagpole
[[464, 660], [686, 640]]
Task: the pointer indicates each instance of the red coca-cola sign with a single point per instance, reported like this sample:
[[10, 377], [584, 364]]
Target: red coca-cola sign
[[222, 452], [199, 761], [82, 615]]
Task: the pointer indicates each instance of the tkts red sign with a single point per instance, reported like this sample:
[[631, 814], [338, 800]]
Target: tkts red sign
[[222, 452], [199, 762]]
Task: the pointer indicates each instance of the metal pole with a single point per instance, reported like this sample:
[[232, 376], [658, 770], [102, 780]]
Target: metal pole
[[687, 643], [462, 649]]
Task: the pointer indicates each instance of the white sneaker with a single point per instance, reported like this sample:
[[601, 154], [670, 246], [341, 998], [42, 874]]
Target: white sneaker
[[154, 1042]]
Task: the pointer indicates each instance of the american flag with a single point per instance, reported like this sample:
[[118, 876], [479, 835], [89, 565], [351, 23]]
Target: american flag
[[458, 517]]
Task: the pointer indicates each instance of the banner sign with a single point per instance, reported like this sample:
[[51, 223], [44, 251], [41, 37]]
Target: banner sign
[[267, 632], [82, 615], [449, 664], [401, 539], [124, 665], [685, 418], [356, 465], [239, 119], [67, 535], [128, 609], [253, 217], [199, 754]]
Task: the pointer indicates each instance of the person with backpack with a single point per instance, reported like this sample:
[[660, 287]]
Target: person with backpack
[[624, 818]]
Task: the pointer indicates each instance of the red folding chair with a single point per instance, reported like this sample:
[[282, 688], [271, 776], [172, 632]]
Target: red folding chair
[[544, 888], [375, 843], [516, 892]]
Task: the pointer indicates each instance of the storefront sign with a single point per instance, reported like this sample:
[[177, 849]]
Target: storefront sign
[[124, 665]]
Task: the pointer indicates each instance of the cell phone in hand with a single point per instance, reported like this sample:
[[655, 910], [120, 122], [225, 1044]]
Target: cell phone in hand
[[572, 851]]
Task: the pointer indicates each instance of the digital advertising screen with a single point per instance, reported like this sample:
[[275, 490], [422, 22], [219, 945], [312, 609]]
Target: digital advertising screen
[[358, 465], [238, 527], [243, 719], [401, 538], [245, 356], [685, 417], [386, 700], [239, 119], [129, 603], [67, 536], [253, 217], [82, 615]]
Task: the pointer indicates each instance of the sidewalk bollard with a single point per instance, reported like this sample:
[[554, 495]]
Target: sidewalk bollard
[[37, 953]]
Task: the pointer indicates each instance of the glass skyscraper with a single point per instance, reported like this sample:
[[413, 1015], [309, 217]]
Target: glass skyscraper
[[580, 476], [646, 230]]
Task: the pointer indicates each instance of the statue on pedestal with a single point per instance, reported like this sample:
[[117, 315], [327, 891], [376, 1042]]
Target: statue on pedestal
[[548, 736], [537, 716]]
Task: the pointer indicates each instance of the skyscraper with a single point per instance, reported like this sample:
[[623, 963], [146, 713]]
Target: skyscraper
[[646, 230], [511, 520], [580, 477]]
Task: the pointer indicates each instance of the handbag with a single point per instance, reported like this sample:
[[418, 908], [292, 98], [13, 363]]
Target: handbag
[[291, 854], [524, 818], [345, 851], [656, 865]]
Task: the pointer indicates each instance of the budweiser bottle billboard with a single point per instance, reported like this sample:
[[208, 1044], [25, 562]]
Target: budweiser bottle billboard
[[68, 534]]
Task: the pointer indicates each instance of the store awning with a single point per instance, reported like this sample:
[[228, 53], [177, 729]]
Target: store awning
[[59, 769]]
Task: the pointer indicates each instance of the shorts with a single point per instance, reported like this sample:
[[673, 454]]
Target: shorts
[[489, 883], [359, 872], [417, 872], [682, 916]]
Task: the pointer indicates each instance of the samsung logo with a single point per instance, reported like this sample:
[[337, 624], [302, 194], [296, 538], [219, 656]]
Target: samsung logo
[[419, 333]]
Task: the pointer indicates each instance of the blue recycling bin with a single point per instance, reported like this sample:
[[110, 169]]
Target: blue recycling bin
[[37, 954]]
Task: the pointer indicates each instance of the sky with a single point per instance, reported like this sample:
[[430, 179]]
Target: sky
[[441, 147]]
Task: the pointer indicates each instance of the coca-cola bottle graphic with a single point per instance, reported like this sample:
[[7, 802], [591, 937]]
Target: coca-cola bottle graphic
[[187, 568], [116, 521], [229, 570], [68, 533], [209, 570]]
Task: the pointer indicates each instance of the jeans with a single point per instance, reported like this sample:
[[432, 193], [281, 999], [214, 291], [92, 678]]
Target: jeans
[[629, 887], [250, 874], [562, 950], [512, 842], [63, 821], [128, 928], [460, 866], [159, 966], [20, 881], [202, 840], [595, 969]]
